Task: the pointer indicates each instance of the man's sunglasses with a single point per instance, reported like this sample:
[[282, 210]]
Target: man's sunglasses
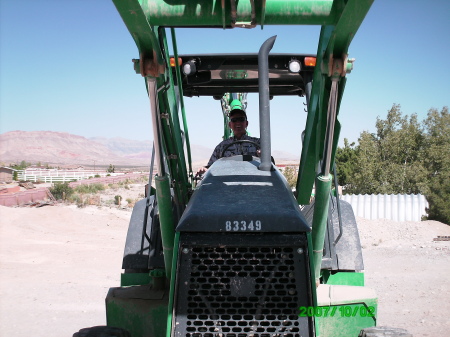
[[238, 119]]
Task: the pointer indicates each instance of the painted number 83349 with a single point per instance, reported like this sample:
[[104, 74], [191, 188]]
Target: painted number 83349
[[236, 226]]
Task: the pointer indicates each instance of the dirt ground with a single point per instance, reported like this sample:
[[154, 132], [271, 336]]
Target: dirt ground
[[410, 273], [57, 263]]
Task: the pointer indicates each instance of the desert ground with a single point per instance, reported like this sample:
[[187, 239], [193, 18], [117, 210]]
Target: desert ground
[[58, 261]]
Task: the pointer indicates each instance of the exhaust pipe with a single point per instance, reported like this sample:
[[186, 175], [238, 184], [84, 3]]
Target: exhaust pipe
[[264, 103]]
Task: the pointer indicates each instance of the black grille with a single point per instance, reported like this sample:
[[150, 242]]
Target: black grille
[[242, 285]]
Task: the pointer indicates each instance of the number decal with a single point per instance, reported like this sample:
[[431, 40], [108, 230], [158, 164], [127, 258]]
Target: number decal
[[243, 226], [250, 226], [228, 226], [236, 226]]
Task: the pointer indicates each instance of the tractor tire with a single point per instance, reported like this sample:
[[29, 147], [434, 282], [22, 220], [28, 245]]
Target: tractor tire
[[383, 331], [102, 331]]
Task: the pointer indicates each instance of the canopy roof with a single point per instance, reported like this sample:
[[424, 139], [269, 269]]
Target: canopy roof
[[217, 74]]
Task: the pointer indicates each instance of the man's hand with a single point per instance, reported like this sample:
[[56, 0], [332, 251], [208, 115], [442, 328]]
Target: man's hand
[[201, 171]]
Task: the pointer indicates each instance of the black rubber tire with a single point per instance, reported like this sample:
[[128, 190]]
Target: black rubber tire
[[102, 331], [384, 331]]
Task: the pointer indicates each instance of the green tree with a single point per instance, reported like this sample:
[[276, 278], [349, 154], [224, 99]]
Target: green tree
[[345, 162], [437, 141], [402, 157], [111, 168], [391, 160], [438, 198], [400, 143], [290, 173], [437, 162], [22, 166], [364, 178]]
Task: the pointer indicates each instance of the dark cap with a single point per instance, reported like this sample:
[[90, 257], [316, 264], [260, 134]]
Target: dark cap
[[235, 111]]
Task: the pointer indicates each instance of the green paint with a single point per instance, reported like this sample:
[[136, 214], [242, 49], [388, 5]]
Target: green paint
[[210, 13], [170, 98], [143, 34], [172, 286], [180, 88], [164, 199], [312, 149], [343, 278], [132, 279], [140, 310], [319, 225], [347, 320]]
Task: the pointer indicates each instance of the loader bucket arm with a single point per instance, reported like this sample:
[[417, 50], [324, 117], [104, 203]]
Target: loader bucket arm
[[339, 20], [333, 46]]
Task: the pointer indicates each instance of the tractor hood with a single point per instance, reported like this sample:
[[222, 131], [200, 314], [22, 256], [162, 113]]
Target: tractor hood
[[235, 197]]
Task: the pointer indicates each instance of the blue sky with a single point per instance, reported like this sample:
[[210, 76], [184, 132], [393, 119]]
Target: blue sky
[[66, 66]]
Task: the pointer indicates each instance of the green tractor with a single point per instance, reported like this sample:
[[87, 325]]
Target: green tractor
[[239, 253]]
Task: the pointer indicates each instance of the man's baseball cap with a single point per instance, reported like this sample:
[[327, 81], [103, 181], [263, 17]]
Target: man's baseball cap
[[236, 107]]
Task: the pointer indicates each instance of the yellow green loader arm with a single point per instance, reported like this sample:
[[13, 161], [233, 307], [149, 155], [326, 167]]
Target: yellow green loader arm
[[332, 62], [339, 20]]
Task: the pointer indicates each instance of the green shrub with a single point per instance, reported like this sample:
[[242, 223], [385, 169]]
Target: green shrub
[[22, 166], [61, 190], [131, 202], [117, 199], [438, 198], [91, 188], [76, 199], [290, 174], [125, 182], [111, 168]]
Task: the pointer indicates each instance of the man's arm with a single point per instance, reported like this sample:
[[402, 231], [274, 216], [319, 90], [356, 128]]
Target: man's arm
[[215, 155]]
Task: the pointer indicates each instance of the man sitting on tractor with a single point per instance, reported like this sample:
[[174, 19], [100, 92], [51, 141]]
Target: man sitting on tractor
[[240, 143]]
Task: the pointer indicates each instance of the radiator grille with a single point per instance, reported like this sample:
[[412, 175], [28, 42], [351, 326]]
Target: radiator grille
[[235, 290]]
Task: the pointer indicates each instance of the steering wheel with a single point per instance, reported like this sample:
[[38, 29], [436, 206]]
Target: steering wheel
[[237, 142]]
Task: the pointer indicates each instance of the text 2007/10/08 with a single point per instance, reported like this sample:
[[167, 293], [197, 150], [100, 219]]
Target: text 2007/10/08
[[342, 311]]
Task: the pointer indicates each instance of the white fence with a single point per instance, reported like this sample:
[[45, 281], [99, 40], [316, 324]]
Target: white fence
[[54, 176], [397, 207]]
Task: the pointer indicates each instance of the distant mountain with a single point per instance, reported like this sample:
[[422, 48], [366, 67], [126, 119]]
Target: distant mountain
[[125, 147], [283, 157], [134, 149], [60, 148], [65, 148]]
